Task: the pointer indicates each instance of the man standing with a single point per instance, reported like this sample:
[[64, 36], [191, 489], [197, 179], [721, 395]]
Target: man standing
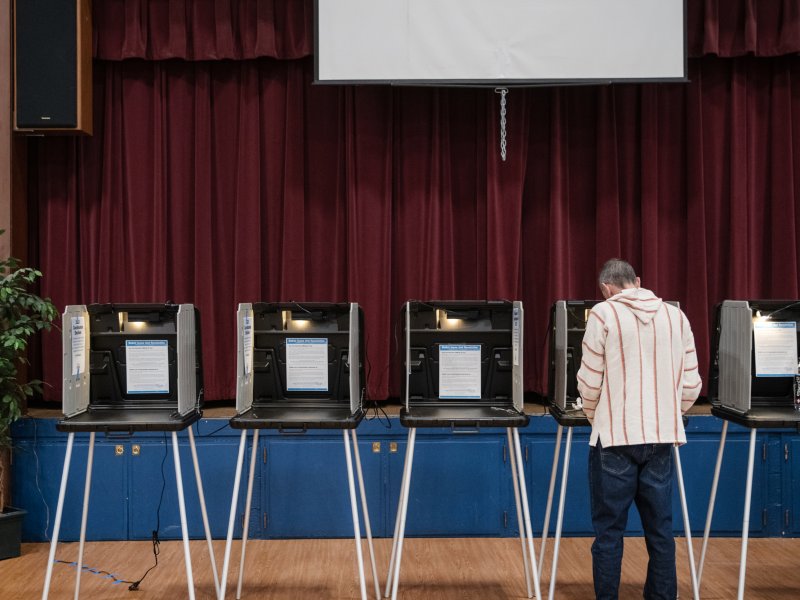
[[637, 377]]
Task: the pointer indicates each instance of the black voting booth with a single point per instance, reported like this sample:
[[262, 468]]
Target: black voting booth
[[567, 327], [299, 367], [112, 394], [463, 368], [129, 368], [267, 394], [736, 390], [493, 331], [751, 383]]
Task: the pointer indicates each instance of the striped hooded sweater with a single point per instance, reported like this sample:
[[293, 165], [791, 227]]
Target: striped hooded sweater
[[638, 372]]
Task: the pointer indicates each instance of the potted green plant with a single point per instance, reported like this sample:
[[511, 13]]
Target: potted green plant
[[22, 314]]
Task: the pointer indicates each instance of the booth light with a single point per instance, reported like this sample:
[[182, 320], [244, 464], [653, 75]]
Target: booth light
[[443, 321], [294, 322]]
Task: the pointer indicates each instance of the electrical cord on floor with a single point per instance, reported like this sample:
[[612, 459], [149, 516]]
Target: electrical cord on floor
[[108, 575], [134, 585]]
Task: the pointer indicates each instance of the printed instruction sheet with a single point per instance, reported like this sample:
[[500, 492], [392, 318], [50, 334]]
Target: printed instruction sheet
[[459, 371], [775, 348], [307, 364]]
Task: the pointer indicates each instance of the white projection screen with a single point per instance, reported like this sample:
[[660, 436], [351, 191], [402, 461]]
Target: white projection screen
[[475, 42]]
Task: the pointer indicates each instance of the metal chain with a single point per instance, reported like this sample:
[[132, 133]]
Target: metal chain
[[502, 92]]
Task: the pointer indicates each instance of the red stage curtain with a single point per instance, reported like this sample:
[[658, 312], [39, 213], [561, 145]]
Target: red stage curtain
[[202, 29], [743, 27], [243, 29], [224, 182]]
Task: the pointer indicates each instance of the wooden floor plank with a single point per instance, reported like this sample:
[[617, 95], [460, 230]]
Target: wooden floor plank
[[463, 569]]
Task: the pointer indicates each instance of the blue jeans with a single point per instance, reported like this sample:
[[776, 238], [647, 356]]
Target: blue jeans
[[618, 476]]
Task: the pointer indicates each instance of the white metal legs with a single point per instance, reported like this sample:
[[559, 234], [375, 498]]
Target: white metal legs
[[550, 490], [515, 481], [686, 527], [365, 510], [85, 513], [232, 517], [520, 495], [203, 511], [87, 488], [247, 505], [403, 484], [560, 519], [182, 509], [402, 511], [523, 489], [746, 518], [245, 528], [354, 510], [712, 499], [59, 509]]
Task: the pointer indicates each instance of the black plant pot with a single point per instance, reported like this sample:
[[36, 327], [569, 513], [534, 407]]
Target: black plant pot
[[11, 531]]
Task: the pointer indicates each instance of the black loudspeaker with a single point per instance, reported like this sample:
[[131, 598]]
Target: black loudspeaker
[[52, 66]]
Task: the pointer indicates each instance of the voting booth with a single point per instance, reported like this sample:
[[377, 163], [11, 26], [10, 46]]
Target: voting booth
[[753, 382], [754, 362], [566, 330], [299, 367], [129, 368], [463, 369]]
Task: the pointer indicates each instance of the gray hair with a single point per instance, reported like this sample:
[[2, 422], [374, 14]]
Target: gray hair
[[617, 272]]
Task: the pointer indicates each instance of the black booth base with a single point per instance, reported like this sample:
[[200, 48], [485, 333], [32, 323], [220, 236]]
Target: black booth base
[[443, 415], [128, 420], [571, 418], [297, 418], [11, 532], [780, 417]]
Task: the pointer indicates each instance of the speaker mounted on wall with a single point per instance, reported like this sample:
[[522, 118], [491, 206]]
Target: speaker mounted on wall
[[52, 66]]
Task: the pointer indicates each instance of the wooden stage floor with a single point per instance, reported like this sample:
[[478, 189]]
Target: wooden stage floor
[[462, 569]]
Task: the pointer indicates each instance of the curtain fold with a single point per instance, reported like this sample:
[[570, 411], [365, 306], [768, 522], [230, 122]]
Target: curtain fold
[[730, 28], [245, 29], [202, 29], [223, 182]]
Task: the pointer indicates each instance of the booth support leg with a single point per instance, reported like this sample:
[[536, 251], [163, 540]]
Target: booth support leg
[[550, 492], [247, 506], [560, 519], [712, 499], [526, 513], [365, 512], [182, 509], [746, 519], [203, 511], [86, 492], [520, 522], [231, 519], [403, 508], [686, 526], [59, 510]]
